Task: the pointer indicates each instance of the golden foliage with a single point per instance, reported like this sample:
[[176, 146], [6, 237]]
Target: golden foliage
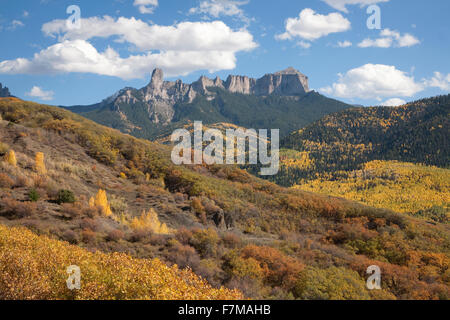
[[10, 157], [39, 163], [402, 187], [34, 268], [149, 221], [101, 200]]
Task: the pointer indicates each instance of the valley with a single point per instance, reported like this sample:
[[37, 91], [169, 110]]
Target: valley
[[107, 192]]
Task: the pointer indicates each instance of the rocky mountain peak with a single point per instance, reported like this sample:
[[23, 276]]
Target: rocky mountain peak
[[159, 96], [157, 78], [289, 70]]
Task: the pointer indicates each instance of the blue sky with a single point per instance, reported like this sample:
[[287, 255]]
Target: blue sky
[[120, 42]]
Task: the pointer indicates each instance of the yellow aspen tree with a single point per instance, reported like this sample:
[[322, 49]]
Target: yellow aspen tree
[[150, 221], [10, 157], [101, 200], [39, 163]]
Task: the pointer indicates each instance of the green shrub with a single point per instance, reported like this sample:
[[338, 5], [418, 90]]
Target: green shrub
[[33, 195], [65, 196]]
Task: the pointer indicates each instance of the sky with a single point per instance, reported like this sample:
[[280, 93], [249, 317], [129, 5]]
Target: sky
[[368, 52]]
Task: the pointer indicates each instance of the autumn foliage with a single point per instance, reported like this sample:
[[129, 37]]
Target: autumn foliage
[[39, 163], [34, 267], [10, 157], [101, 200], [149, 221]]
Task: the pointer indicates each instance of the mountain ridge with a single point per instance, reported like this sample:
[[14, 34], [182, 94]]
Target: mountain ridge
[[280, 100]]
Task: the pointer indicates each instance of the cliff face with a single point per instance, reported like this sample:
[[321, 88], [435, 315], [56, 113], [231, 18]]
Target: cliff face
[[4, 92], [289, 82]]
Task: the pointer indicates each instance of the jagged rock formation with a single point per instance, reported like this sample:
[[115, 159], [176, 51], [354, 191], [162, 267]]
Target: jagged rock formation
[[277, 100], [159, 96], [4, 92], [289, 82]]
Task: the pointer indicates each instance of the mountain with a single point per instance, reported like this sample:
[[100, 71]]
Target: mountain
[[416, 132], [4, 92], [276, 101], [70, 180]]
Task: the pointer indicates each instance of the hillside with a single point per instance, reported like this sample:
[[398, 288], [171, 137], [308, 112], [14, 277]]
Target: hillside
[[417, 132], [276, 101], [70, 179], [21, 251], [403, 187]]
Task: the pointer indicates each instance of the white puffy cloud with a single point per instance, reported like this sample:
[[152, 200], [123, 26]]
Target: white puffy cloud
[[394, 102], [80, 56], [341, 4], [311, 25], [374, 81], [344, 44], [37, 92], [146, 6], [438, 81], [216, 8], [179, 49], [184, 36], [389, 38]]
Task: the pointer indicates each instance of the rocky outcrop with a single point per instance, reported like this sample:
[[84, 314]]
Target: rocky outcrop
[[289, 82], [160, 96], [4, 92]]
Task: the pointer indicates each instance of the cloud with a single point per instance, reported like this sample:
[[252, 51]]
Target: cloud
[[37, 92], [146, 6], [217, 8], [341, 4], [304, 44], [179, 49], [311, 25], [390, 38], [374, 81], [438, 81], [394, 102], [16, 24], [344, 44], [185, 36]]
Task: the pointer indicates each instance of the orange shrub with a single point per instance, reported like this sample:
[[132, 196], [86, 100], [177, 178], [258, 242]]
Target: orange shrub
[[6, 181], [279, 269]]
